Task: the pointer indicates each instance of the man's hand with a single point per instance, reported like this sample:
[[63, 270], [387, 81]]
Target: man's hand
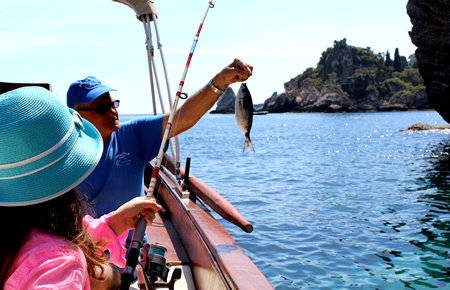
[[199, 103], [237, 71]]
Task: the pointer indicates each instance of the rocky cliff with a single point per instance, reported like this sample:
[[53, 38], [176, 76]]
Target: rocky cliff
[[431, 34], [349, 79]]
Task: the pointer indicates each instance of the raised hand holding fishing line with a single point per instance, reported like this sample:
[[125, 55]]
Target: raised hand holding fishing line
[[237, 71], [197, 105]]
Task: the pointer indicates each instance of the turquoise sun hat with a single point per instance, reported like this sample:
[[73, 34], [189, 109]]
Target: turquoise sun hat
[[46, 149]]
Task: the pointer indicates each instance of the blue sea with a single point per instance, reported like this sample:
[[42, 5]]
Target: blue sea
[[338, 201]]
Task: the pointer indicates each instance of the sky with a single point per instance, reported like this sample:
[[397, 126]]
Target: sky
[[59, 42]]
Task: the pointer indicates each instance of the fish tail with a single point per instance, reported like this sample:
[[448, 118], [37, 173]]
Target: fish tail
[[248, 143]]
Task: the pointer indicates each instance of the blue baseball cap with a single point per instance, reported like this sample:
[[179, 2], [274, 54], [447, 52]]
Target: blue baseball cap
[[85, 91]]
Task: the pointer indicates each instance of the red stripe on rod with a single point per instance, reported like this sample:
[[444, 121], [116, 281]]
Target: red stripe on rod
[[189, 61], [155, 172], [199, 29]]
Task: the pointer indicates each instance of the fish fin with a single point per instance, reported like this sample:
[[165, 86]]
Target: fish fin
[[248, 143]]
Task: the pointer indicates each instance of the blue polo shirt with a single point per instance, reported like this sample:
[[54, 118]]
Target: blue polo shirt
[[119, 175]]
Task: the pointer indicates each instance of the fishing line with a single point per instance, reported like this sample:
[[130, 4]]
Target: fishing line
[[138, 236]]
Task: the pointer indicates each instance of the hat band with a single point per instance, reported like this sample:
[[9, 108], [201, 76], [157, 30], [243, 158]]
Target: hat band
[[76, 119], [43, 167]]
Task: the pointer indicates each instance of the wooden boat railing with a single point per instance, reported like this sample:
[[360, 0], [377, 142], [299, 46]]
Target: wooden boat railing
[[214, 257]]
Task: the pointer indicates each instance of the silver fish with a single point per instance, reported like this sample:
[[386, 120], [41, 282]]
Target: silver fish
[[243, 112]]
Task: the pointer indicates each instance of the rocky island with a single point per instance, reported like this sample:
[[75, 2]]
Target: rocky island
[[353, 79], [347, 79]]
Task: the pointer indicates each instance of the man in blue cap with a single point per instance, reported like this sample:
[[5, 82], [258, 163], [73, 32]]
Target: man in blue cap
[[130, 146]]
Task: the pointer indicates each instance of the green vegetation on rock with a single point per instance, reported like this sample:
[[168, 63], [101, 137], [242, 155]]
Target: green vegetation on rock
[[349, 78]]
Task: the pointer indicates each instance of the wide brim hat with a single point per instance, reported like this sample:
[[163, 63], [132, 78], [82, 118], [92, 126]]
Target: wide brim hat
[[46, 149]]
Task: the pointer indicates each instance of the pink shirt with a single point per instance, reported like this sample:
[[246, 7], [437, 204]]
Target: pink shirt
[[50, 262]]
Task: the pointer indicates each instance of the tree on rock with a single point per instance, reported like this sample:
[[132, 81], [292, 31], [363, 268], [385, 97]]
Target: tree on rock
[[388, 61], [400, 62]]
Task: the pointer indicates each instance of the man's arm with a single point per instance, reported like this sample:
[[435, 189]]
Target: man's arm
[[200, 102]]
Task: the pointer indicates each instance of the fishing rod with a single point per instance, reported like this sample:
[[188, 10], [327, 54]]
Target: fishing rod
[[139, 232]]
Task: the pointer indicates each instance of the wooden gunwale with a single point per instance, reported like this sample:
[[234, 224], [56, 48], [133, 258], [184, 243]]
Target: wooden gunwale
[[206, 272], [217, 261]]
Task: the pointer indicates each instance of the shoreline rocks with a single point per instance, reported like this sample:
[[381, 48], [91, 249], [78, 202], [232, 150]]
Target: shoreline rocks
[[423, 126]]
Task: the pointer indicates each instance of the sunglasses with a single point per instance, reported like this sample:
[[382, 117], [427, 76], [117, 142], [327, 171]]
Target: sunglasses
[[102, 109]]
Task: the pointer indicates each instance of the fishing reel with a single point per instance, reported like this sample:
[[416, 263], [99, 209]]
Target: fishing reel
[[154, 262], [153, 268]]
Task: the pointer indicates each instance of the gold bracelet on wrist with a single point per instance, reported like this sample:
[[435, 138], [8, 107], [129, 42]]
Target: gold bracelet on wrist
[[215, 89]]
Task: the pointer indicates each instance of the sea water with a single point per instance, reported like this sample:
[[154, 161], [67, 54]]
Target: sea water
[[336, 200]]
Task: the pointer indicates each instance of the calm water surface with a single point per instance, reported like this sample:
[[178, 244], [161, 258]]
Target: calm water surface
[[336, 200]]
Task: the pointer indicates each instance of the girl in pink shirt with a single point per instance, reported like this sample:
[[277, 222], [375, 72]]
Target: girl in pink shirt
[[49, 241]]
